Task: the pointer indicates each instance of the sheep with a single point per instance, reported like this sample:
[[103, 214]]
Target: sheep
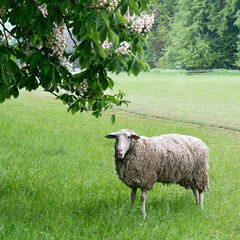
[[140, 162]]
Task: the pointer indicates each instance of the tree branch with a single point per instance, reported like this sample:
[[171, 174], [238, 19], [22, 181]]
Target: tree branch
[[65, 21], [5, 37], [5, 29], [54, 94]]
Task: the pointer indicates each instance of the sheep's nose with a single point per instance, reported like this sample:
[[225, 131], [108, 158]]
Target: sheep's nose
[[119, 153]]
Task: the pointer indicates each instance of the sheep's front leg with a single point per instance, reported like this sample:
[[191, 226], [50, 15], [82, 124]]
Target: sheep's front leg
[[143, 198], [201, 199], [196, 193], [133, 195]]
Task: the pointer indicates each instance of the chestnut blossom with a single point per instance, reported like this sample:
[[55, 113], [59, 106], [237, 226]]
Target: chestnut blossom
[[128, 16], [83, 86], [43, 9], [143, 24], [106, 44], [66, 63], [124, 48], [109, 4], [56, 41], [148, 22], [138, 25], [22, 65]]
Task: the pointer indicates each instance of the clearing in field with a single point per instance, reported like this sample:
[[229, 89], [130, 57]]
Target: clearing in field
[[205, 99]]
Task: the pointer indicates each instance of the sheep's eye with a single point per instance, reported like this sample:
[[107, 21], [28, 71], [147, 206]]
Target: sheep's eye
[[129, 137]]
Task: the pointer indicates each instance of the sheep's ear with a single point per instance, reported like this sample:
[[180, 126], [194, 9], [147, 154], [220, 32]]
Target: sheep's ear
[[111, 135], [135, 136]]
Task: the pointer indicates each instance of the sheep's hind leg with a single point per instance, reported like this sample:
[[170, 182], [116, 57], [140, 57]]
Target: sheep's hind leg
[[143, 198], [133, 194], [196, 193], [201, 199]]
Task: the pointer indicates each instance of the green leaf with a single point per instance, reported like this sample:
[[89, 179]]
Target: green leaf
[[99, 106], [46, 73], [41, 27], [90, 18], [113, 100], [124, 8], [113, 37], [124, 63], [22, 18], [14, 91], [112, 65], [113, 119], [105, 17], [75, 107], [110, 83], [5, 4], [4, 92], [12, 66], [102, 34], [91, 82], [143, 4], [87, 49], [104, 84], [100, 49], [121, 18], [34, 62], [134, 5], [143, 65], [135, 68], [77, 26]]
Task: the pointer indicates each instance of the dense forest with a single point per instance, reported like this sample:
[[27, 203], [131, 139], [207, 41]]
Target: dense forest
[[193, 34]]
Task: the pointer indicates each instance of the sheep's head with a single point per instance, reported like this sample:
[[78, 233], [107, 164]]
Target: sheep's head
[[123, 141]]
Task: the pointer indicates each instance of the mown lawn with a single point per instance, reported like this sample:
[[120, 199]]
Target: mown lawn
[[58, 179], [207, 99]]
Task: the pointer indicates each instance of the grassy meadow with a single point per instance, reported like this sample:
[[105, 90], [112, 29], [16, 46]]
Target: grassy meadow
[[206, 99], [57, 172]]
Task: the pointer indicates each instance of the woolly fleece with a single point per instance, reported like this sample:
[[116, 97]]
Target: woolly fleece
[[168, 159]]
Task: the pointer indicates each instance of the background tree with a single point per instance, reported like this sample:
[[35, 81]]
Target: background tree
[[107, 35], [163, 15], [237, 23], [194, 34], [203, 35]]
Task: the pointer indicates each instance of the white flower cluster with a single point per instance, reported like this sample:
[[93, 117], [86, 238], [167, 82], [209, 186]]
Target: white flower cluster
[[109, 4], [128, 16], [106, 44], [57, 41], [66, 63], [83, 86], [43, 9], [22, 65], [138, 25], [124, 48], [142, 25]]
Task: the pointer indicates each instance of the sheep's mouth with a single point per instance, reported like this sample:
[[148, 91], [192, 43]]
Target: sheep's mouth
[[120, 156]]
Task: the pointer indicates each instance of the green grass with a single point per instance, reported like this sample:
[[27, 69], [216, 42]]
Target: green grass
[[58, 180], [207, 99]]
